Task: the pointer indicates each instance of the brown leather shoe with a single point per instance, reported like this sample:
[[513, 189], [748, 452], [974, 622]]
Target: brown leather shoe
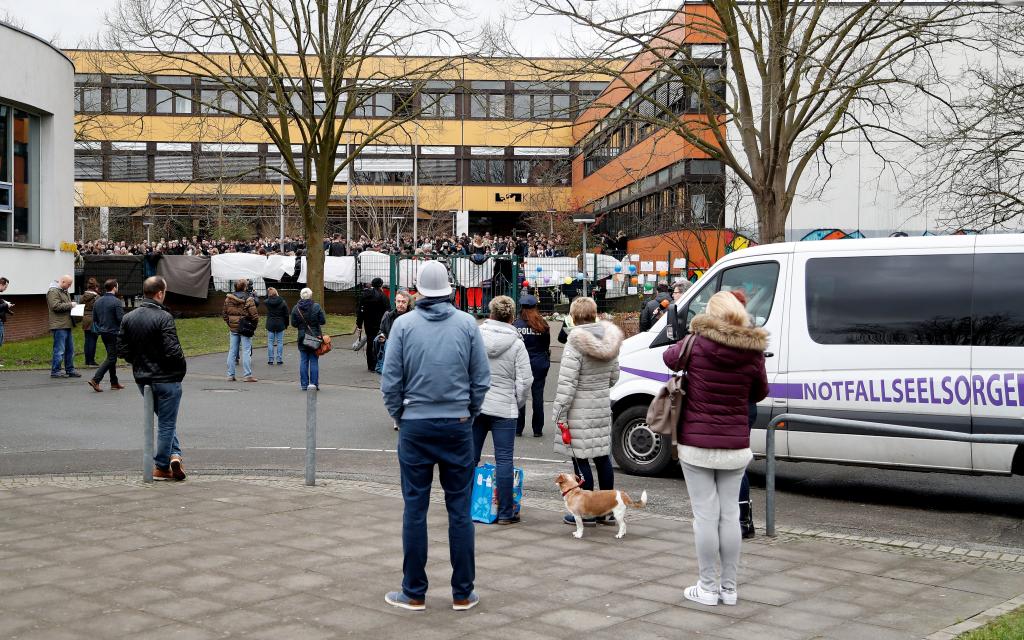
[[177, 468], [250, 379], [162, 474], [95, 386], [116, 387]]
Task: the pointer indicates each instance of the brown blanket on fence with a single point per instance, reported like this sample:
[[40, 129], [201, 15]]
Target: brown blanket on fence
[[186, 275]]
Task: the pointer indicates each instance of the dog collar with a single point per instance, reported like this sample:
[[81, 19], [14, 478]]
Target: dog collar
[[568, 491]]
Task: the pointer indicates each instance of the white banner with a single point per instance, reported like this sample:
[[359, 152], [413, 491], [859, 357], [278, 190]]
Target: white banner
[[373, 264], [277, 266], [226, 268], [470, 274]]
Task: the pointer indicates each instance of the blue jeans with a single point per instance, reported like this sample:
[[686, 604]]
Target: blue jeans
[[90, 346], [380, 357], [63, 349], [503, 434], [166, 399], [309, 369], [1, 334], [540, 376], [245, 342], [275, 346], [448, 444]]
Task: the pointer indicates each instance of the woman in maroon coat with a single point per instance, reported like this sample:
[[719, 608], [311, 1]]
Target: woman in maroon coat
[[725, 374]]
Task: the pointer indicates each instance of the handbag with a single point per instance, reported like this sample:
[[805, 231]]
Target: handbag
[[484, 500], [360, 342], [666, 410], [247, 326], [312, 341]]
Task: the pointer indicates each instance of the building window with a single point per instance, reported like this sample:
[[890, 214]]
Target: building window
[[487, 171], [487, 105], [19, 176], [377, 105], [128, 99], [170, 102], [88, 93]]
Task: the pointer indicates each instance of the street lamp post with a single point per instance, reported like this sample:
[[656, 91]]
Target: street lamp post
[[147, 224], [584, 219], [81, 221], [455, 223], [551, 221]]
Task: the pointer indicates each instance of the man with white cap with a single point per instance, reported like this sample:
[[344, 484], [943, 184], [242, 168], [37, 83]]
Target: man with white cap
[[434, 381]]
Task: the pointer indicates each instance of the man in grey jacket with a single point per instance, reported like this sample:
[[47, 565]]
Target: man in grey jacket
[[434, 382], [59, 306]]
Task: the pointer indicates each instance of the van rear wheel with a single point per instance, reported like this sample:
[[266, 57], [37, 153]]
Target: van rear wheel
[[638, 450]]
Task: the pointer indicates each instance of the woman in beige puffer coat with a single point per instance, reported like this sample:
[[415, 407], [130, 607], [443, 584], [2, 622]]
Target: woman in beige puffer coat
[[589, 369]]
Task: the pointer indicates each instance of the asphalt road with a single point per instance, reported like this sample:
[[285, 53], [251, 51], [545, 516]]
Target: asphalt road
[[62, 426]]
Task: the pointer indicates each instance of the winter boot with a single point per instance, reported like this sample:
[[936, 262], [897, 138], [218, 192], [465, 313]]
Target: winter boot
[[747, 520]]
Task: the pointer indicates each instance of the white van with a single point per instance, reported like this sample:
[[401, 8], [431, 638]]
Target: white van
[[924, 331]]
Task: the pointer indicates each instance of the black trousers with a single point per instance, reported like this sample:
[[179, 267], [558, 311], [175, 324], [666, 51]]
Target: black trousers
[[110, 364], [371, 349], [605, 473]]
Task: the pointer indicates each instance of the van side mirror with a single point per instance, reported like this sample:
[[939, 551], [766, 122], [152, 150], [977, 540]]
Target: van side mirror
[[674, 330]]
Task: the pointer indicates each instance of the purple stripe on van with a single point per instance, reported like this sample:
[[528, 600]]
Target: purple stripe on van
[[653, 375], [788, 390]]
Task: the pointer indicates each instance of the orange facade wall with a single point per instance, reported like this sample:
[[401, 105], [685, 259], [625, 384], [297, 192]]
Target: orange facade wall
[[700, 248]]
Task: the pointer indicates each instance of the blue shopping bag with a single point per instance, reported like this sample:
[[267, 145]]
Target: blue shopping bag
[[484, 501]]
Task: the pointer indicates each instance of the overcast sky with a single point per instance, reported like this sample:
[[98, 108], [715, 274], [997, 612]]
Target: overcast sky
[[70, 22]]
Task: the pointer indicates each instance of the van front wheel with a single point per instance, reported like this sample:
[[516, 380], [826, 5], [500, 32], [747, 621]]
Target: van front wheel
[[638, 450]]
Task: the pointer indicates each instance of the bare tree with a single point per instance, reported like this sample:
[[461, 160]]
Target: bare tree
[[308, 73], [793, 76], [973, 168]]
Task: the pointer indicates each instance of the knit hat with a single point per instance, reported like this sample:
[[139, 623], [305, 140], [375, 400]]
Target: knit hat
[[432, 280], [528, 301]]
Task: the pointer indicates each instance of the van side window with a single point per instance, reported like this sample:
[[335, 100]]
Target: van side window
[[758, 282], [895, 300], [998, 306]]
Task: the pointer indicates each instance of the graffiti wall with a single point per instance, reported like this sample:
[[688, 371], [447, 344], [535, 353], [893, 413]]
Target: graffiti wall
[[839, 234]]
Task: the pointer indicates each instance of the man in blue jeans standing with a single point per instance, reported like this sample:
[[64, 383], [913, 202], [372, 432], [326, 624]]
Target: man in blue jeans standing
[[435, 379], [149, 341], [59, 306]]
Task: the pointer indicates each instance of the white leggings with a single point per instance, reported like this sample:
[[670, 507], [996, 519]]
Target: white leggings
[[714, 497]]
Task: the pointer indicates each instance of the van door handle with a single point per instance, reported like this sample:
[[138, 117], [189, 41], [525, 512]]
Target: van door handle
[[769, 354]]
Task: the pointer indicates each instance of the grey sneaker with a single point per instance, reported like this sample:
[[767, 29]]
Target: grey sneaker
[[402, 601], [467, 604]]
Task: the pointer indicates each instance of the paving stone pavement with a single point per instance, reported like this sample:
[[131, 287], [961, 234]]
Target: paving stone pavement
[[227, 556]]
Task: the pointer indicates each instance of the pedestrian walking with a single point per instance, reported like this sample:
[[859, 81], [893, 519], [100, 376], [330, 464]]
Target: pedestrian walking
[[435, 378], [403, 303], [511, 378], [6, 310], [725, 374], [277, 322], [59, 306], [373, 304], [89, 298], [149, 341], [589, 369], [242, 318], [107, 314], [308, 317], [536, 335]]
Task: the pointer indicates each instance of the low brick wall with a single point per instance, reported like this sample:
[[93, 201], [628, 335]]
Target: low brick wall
[[30, 319]]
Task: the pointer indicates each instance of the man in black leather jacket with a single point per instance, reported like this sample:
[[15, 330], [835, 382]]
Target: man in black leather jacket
[[149, 341]]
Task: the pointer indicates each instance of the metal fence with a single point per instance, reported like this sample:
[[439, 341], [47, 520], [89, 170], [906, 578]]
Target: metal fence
[[779, 422]]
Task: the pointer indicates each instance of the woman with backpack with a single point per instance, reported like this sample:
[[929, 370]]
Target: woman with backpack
[[308, 317]]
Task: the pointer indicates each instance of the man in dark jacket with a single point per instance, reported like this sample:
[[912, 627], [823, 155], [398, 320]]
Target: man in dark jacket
[[373, 304], [149, 341], [653, 309], [241, 316], [107, 313], [6, 308], [277, 322]]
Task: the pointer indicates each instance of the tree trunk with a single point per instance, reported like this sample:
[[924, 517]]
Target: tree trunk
[[772, 213]]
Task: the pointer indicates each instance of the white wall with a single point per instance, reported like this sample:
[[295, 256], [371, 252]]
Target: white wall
[[41, 80]]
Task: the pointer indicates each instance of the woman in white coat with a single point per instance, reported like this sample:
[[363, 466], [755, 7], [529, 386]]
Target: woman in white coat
[[511, 378], [590, 368]]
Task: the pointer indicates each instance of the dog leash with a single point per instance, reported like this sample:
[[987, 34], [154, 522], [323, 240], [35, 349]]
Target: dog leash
[[563, 427]]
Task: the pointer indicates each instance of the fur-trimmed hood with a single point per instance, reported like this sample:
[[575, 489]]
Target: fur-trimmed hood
[[730, 335], [600, 340]]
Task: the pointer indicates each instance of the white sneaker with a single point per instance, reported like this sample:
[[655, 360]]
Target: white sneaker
[[697, 594], [728, 597]]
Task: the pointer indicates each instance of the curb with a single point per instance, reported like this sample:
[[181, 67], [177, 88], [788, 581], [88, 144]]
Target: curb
[[978, 621]]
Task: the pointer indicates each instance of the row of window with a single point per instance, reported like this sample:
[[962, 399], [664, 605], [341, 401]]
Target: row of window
[[253, 163], [498, 100], [19, 176]]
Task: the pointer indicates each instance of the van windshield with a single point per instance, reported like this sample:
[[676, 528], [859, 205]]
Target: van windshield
[[757, 281]]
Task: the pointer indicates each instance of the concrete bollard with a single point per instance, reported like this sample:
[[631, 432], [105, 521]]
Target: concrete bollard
[[311, 436], [769, 481], [147, 434]]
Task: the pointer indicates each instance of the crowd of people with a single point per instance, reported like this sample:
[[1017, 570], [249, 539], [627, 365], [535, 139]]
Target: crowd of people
[[478, 382], [525, 245]]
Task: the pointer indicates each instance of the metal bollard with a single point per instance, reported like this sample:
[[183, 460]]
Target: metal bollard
[[311, 436], [147, 436], [769, 481]]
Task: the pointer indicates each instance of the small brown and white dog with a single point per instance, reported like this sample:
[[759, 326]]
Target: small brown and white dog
[[592, 504]]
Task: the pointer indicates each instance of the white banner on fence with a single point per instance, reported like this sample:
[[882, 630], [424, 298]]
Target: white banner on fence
[[226, 268], [470, 274], [408, 271], [277, 266], [339, 272], [373, 264]]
